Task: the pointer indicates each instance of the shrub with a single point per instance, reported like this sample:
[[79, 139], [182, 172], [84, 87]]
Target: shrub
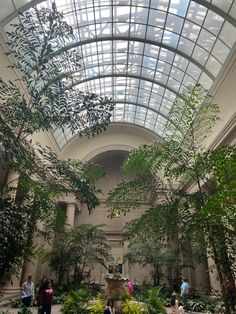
[[155, 301], [131, 307], [16, 302], [59, 299], [76, 302], [97, 308], [201, 305], [25, 310]]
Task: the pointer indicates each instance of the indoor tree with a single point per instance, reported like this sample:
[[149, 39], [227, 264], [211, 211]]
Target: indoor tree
[[77, 250], [196, 186], [154, 255], [45, 97]]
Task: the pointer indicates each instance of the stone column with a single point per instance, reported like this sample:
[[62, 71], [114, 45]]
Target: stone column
[[215, 284], [70, 214], [12, 287], [202, 279]]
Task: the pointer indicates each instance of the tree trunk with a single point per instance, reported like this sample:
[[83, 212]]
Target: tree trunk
[[216, 240], [156, 275]]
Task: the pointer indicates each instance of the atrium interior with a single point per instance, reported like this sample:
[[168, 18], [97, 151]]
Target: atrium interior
[[139, 57]]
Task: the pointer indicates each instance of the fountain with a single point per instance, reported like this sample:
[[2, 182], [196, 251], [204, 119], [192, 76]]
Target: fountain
[[115, 282]]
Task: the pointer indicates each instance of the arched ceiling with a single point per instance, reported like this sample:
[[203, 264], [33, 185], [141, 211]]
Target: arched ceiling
[[145, 52]]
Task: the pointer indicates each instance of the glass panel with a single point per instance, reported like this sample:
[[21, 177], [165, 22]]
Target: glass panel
[[220, 51], [174, 84], [185, 45], [174, 23], [171, 39], [166, 55], [139, 15], [157, 18], [164, 45], [180, 62], [194, 71], [161, 5], [137, 30], [206, 40], [154, 33], [196, 13], [223, 5], [228, 34], [200, 55], [205, 81], [233, 10], [179, 7], [191, 30], [213, 22], [177, 73], [213, 66]]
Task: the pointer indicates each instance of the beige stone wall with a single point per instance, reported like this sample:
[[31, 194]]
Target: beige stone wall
[[111, 163]]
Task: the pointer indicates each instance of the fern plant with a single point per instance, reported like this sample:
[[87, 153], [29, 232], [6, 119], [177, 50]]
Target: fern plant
[[155, 301], [76, 302]]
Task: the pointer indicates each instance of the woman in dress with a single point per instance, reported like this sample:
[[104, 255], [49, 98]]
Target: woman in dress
[[46, 297]]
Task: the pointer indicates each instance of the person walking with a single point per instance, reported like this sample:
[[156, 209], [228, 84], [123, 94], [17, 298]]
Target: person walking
[[46, 298], [27, 292], [185, 293]]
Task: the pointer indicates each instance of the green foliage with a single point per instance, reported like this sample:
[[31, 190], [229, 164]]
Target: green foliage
[[59, 299], [49, 74], [34, 201], [136, 193], [192, 117], [79, 249], [98, 307], [25, 310], [154, 300], [76, 302], [15, 221], [204, 216], [73, 176], [201, 305], [16, 302], [153, 254], [131, 307]]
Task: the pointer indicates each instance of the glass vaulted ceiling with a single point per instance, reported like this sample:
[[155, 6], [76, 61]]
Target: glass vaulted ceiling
[[143, 53]]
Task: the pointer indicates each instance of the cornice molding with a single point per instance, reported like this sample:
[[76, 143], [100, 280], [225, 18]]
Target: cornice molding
[[226, 136]]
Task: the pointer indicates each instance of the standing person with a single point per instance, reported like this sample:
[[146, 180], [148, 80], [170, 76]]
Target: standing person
[[27, 291], [174, 304], [185, 293], [230, 290], [46, 298], [130, 287]]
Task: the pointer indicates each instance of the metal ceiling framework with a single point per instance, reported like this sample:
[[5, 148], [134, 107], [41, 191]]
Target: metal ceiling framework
[[143, 53]]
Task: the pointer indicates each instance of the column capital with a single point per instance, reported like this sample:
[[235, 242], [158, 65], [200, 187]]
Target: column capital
[[67, 199]]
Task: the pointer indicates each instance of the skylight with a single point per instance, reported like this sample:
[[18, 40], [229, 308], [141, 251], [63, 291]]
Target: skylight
[[143, 53]]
